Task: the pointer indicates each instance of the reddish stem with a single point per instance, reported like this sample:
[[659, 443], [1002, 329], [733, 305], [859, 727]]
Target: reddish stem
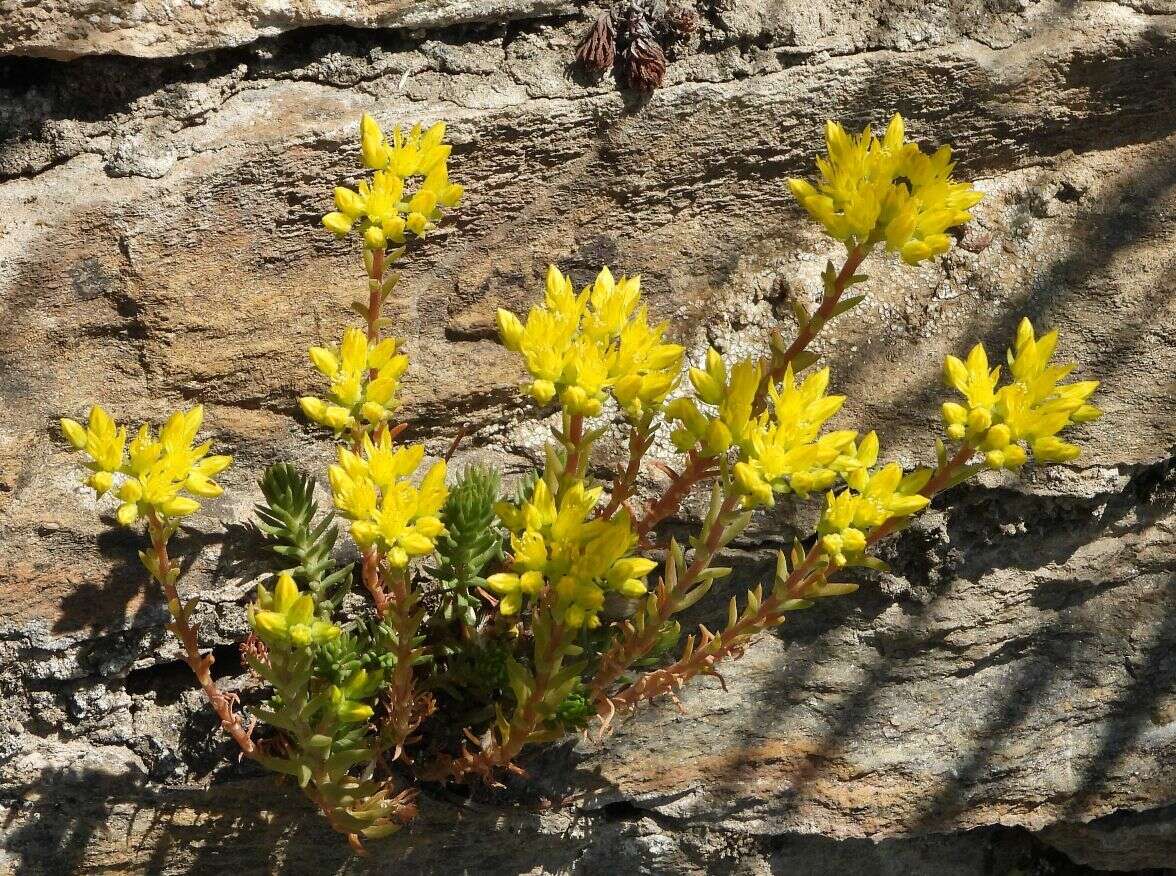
[[632, 645], [816, 322], [186, 632], [697, 468], [733, 639], [623, 486]]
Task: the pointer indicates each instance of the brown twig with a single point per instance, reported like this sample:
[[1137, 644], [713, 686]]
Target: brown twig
[[623, 486], [373, 581], [698, 467], [575, 438], [406, 709], [832, 297]]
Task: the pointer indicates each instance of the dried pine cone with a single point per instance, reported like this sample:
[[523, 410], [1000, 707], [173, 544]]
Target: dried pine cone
[[597, 51]]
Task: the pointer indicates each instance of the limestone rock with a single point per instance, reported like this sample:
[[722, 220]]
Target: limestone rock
[[1002, 699]]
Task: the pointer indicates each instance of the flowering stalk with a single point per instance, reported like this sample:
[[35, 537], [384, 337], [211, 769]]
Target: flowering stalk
[[835, 285], [698, 468], [675, 591], [406, 708], [640, 440], [699, 657], [166, 575]]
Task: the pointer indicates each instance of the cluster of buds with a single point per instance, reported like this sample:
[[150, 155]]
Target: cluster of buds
[[1026, 413], [364, 379], [162, 476], [383, 208]]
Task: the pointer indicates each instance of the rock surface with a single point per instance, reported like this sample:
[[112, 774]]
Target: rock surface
[[1003, 701]]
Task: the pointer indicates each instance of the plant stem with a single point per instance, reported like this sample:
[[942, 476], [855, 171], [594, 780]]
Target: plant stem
[[632, 644], [640, 438], [375, 297], [829, 302], [731, 641], [501, 752], [697, 468], [373, 581], [575, 439], [404, 710], [186, 632], [774, 371]]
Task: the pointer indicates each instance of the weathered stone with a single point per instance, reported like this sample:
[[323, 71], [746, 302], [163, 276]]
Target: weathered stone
[[1009, 687]]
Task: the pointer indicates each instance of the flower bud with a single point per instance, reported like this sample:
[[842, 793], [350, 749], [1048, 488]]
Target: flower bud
[[347, 202], [954, 413], [373, 412], [336, 418], [314, 408], [416, 223], [979, 419], [998, 437], [542, 391], [337, 223], [717, 439], [509, 329], [1015, 456], [324, 361], [511, 603], [853, 540], [100, 482], [373, 238], [74, 433], [373, 147]]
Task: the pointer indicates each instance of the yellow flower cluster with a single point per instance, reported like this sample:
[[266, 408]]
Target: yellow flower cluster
[[383, 208], [1031, 409], [888, 190], [156, 472], [874, 496], [786, 451], [583, 556], [372, 489], [364, 380], [731, 393], [579, 347], [287, 617]]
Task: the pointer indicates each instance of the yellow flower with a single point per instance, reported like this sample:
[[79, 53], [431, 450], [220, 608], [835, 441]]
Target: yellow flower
[[580, 348], [286, 617], [1028, 411], [364, 380], [565, 545], [103, 441], [886, 190], [731, 391], [351, 700], [383, 209], [785, 451], [373, 490], [155, 473], [872, 498]]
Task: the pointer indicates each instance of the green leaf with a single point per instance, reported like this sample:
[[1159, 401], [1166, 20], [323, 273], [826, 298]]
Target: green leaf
[[847, 304], [288, 518]]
